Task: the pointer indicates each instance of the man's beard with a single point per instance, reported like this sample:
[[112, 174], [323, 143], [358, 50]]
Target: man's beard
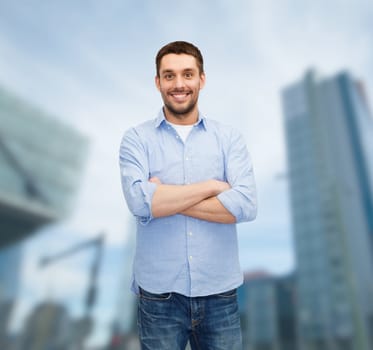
[[180, 112]]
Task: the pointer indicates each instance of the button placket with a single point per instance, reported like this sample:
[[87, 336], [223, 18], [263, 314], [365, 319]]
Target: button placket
[[187, 165]]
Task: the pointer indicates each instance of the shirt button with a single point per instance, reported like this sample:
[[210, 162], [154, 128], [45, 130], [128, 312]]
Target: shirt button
[[186, 158], [190, 233], [190, 257]]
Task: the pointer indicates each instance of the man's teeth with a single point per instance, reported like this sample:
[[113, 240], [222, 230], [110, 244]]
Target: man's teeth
[[180, 95]]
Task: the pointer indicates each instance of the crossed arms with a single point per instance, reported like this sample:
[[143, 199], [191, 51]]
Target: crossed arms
[[197, 200], [229, 201]]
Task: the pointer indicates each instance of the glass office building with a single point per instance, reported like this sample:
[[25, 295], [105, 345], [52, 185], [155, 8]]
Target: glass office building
[[10, 264], [41, 162], [267, 308], [329, 133]]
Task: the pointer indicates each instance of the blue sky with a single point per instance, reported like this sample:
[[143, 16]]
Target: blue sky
[[91, 64]]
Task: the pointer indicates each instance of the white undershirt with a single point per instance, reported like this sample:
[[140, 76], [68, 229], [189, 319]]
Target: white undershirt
[[183, 130]]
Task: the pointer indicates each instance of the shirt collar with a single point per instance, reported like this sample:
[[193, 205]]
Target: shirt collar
[[161, 119]]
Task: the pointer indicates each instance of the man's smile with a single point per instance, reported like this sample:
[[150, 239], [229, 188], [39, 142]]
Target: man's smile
[[180, 96]]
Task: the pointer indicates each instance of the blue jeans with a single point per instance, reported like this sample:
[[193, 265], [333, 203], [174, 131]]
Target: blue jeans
[[167, 321]]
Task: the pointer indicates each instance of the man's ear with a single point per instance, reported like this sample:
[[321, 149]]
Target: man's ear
[[157, 82], [202, 77]]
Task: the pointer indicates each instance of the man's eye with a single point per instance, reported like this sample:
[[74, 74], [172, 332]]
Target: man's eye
[[168, 76], [188, 75]]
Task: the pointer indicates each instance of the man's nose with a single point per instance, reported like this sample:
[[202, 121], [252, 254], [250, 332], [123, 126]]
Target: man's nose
[[179, 81]]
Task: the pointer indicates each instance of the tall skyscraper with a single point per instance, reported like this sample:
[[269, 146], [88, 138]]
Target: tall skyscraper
[[329, 134], [41, 163], [267, 308]]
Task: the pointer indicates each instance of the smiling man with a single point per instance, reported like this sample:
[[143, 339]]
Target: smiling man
[[188, 180], [179, 82]]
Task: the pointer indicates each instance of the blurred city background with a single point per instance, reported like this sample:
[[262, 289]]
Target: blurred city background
[[295, 77]]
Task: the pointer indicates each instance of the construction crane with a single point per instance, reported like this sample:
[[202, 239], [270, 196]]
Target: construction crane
[[97, 243], [81, 327]]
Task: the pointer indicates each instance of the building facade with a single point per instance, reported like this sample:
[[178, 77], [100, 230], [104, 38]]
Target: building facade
[[329, 134], [267, 308], [41, 163]]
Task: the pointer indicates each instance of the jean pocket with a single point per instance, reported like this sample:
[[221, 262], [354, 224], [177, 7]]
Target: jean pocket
[[153, 296], [229, 294]]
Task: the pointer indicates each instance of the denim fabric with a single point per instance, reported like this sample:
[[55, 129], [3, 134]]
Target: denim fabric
[[167, 321]]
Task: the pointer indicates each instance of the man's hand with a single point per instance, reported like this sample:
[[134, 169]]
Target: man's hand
[[219, 186], [155, 180]]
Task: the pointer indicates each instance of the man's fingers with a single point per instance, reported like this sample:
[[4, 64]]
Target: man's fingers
[[155, 180]]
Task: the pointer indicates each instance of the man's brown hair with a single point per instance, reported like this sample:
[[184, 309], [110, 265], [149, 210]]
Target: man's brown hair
[[178, 48]]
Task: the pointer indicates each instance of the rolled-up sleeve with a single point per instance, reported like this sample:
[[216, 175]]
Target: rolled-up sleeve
[[134, 172], [241, 199]]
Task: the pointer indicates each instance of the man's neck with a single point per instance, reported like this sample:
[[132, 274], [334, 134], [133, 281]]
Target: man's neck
[[181, 119]]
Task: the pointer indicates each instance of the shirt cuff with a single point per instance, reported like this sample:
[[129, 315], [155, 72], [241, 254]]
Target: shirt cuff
[[229, 200], [147, 189]]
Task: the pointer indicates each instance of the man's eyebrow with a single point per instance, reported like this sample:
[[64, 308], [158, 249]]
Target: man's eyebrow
[[184, 70], [189, 70]]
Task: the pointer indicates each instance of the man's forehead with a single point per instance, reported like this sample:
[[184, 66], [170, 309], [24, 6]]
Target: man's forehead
[[178, 61]]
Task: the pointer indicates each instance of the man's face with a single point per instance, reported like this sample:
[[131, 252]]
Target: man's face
[[179, 83]]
